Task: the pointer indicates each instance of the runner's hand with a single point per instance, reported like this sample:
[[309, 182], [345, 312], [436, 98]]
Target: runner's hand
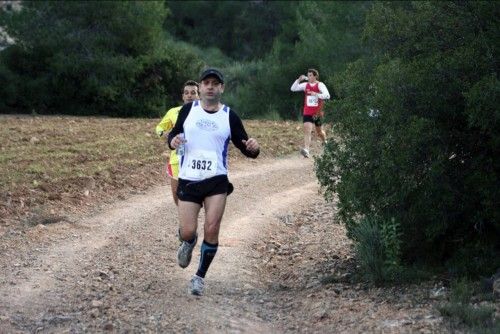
[[176, 141], [251, 145]]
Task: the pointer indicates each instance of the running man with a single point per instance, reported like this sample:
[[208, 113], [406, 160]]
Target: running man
[[205, 127], [189, 94], [315, 93]]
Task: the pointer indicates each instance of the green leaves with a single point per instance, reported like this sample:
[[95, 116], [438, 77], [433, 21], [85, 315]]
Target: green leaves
[[483, 100], [242, 30], [377, 245], [417, 130], [91, 57]]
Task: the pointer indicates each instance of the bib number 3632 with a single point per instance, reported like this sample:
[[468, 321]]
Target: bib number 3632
[[201, 165]]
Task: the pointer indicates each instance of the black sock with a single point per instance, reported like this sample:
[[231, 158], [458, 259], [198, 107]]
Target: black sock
[[190, 241], [207, 255]]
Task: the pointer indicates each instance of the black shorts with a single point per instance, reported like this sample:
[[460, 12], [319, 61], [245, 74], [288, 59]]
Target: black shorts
[[312, 119], [197, 191]]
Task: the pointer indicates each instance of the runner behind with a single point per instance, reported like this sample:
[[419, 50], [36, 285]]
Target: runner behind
[[315, 93], [189, 94]]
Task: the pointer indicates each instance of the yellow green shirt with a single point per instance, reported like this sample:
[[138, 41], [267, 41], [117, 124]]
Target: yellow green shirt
[[166, 124]]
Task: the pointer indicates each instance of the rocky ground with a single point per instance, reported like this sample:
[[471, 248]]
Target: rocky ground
[[284, 266]]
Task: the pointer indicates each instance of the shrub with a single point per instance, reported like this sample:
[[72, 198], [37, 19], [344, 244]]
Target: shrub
[[370, 250], [479, 317], [416, 134], [378, 249]]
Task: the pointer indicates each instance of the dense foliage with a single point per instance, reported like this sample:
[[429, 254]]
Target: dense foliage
[[418, 132], [324, 35], [242, 30], [89, 57]]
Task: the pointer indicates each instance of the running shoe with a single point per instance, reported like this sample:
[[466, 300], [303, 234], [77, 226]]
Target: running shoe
[[185, 252], [304, 152], [196, 285]]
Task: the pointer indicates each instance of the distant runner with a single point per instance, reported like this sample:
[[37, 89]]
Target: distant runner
[[189, 94], [315, 93]]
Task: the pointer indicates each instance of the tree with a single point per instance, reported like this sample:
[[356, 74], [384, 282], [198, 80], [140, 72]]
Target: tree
[[92, 57], [319, 34], [242, 30]]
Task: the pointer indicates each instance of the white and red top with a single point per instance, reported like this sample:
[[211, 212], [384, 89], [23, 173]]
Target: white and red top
[[312, 103]]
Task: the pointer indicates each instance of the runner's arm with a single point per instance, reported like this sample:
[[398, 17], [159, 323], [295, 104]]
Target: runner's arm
[[297, 86], [166, 122], [238, 135], [325, 94], [179, 125]]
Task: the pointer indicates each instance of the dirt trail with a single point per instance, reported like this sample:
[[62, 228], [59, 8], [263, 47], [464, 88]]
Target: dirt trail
[[116, 269]]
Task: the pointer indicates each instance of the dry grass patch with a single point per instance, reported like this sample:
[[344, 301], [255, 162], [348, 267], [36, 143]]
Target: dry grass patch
[[61, 163]]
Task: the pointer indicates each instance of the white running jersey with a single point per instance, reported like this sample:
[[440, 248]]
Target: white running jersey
[[209, 133]]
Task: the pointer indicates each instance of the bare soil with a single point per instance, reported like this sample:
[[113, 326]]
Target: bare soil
[[283, 266]]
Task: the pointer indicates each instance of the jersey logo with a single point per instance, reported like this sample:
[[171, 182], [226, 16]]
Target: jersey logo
[[207, 125]]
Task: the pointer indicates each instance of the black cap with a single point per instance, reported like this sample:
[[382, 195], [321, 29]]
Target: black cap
[[212, 72]]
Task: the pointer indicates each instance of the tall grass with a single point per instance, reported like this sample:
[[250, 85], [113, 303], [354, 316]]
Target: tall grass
[[378, 249], [466, 308]]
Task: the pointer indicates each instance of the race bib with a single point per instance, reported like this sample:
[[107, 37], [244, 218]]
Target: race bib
[[201, 165], [312, 101]]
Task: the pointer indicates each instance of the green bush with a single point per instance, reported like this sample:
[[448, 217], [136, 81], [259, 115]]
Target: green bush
[[416, 133], [480, 318], [8, 95], [370, 250], [378, 249], [461, 291]]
